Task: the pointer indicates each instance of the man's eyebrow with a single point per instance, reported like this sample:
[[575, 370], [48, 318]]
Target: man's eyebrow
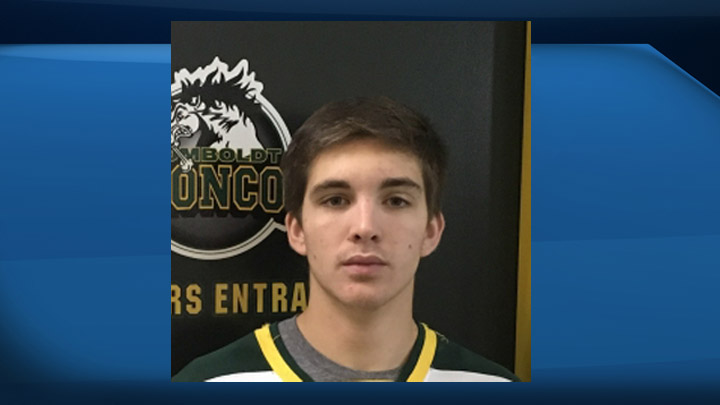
[[391, 182], [400, 182], [330, 184]]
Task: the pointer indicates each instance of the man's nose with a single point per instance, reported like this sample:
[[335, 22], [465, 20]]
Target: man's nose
[[366, 222]]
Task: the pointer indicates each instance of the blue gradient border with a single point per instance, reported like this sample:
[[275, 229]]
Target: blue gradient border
[[626, 229]]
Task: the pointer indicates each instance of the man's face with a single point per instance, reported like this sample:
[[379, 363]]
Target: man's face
[[365, 224]]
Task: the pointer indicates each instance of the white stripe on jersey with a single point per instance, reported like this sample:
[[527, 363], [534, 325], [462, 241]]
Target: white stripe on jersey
[[254, 376], [435, 375]]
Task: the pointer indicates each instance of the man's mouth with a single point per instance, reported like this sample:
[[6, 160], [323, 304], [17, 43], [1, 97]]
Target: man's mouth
[[364, 266], [364, 260]]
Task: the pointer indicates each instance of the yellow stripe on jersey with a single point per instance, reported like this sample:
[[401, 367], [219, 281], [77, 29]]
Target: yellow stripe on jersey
[[273, 356], [427, 354]]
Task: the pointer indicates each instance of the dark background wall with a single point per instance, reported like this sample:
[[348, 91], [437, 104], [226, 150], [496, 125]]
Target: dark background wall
[[467, 77]]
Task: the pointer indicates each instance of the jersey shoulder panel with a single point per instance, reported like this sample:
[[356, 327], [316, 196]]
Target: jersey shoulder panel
[[453, 362], [241, 356]]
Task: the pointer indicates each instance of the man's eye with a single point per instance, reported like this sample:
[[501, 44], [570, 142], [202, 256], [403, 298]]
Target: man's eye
[[335, 201], [397, 202]]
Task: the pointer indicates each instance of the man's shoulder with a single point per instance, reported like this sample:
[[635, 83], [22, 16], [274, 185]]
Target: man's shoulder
[[241, 360], [455, 363]]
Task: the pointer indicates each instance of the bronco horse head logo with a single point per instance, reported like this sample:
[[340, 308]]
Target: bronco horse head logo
[[212, 106], [220, 109]]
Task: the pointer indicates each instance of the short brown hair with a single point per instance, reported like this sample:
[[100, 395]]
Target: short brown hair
[[378, 118]]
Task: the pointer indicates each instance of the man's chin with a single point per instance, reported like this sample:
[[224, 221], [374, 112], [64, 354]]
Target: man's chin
[[366, 304], [362, 295], [366, 299]]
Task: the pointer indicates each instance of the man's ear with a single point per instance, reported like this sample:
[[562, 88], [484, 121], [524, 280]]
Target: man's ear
[[433, 233], [295, 234]]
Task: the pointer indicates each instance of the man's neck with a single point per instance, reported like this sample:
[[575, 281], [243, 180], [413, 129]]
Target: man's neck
[[361, 339]]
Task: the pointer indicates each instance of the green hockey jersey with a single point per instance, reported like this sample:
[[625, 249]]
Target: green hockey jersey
[[262, 357]]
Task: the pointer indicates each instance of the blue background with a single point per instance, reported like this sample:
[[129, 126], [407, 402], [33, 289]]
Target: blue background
[[626, 195]]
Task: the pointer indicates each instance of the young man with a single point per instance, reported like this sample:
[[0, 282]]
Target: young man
[[363, 180]]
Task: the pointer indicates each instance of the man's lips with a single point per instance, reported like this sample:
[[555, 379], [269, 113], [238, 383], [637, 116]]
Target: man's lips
[[364, 260], [364, 267]]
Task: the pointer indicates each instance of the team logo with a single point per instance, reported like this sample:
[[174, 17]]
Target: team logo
[[226, 141]]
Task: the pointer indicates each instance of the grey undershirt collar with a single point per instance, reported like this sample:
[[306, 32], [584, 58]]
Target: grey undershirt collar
[[319, 367]]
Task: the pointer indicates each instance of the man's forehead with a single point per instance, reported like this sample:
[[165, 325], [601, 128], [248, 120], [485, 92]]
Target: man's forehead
[[365, 161]]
